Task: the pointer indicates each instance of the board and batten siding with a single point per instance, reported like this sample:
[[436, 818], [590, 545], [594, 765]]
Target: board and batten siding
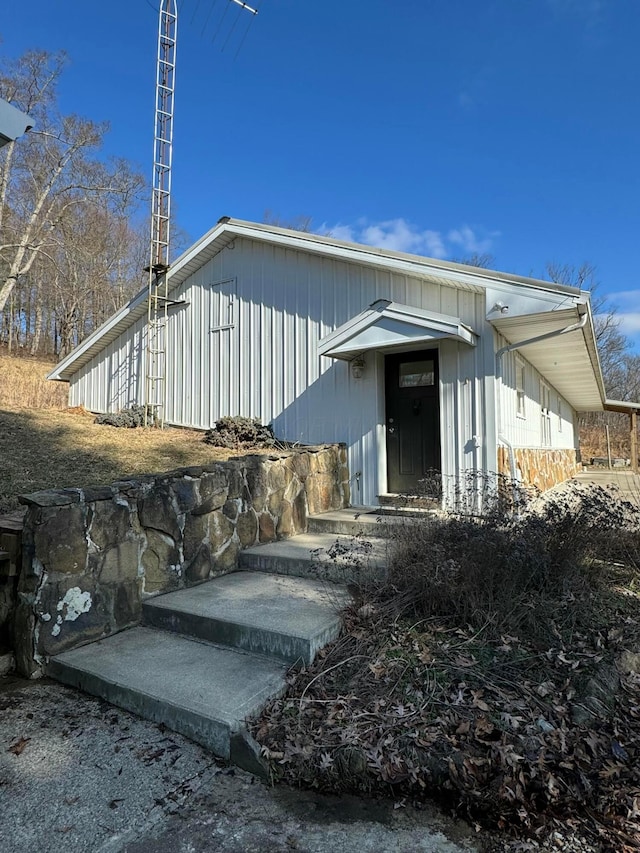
[[264, 361], [113, 379]]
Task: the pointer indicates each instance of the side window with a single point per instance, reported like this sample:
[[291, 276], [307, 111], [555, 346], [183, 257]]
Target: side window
[[223, 304], [520, 394], [545, 413]]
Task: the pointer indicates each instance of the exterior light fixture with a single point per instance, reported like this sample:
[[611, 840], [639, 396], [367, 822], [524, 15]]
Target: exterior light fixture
[[501, 307], [357, 367]]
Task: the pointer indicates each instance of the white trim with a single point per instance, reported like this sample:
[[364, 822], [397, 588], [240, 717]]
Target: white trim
[[356, 335], [521, 392], [546, 439]]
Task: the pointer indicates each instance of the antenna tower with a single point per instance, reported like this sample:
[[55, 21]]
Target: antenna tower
[[157, 338], [158, 301]]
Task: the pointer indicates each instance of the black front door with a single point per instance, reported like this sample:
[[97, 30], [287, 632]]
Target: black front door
[[413, 419]]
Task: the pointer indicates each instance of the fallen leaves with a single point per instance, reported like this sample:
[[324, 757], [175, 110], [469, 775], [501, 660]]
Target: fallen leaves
[[385, 709], [18, 747]]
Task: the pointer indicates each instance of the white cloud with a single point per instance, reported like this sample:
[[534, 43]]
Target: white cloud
[[625, 298], [340, 232], [627, 305], [630, 323], [470, 242], [400, 235]]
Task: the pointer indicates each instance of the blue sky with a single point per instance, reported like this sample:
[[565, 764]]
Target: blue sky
[[441, 127]]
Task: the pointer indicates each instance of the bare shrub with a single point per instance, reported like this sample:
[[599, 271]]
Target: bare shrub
[[236, 432], [530, 575], [497, 670], [471, 492], [126, 418]]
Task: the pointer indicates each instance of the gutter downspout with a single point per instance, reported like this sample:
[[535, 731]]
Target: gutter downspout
[[574, 327]]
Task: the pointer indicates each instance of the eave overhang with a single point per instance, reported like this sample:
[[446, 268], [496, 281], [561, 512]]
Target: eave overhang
[[391, 326], [568, 361]]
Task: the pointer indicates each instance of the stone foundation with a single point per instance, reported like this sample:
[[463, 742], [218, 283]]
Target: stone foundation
[[90, 556], [539, 468]]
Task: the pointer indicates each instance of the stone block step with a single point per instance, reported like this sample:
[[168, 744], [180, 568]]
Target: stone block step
[[323, 556], [283, 617], [199, 690]]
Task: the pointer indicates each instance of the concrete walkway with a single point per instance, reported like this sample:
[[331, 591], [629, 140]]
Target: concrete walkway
[[627, 481], [79, 775]]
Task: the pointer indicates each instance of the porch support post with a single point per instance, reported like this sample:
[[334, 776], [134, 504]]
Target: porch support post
[[633, 423]]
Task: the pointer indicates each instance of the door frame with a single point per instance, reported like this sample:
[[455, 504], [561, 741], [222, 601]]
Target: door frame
[[383, 460]]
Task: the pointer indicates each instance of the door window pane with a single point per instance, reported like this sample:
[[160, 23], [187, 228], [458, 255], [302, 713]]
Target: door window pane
[[413, 374]]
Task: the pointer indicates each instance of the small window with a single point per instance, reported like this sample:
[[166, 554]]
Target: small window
[[545, 411], [520, 395], [414, 374]]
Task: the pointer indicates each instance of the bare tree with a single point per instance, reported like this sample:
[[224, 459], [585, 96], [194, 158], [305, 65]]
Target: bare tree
[[484, 260], [50, 173], [613, 346], [296, 223]]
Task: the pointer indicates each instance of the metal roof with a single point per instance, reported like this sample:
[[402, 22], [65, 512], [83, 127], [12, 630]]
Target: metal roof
[[389, 325], [569, 361], [225, 232]]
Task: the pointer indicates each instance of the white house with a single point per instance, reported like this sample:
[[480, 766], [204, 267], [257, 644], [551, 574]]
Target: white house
[[415, 363]]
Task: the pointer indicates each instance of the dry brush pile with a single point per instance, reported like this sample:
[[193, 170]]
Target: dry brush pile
[[498, 671]]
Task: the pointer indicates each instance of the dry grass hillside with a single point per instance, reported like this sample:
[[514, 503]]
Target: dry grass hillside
[[23, 384], [43, 444]]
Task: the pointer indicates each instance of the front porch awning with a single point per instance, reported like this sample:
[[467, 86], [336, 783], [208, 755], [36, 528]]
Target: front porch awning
[[565, 356], [391, 326]]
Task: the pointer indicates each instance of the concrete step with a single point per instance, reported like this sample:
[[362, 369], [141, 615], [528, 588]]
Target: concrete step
[[199, 690], [286, 618], [323, 556], [413, 502], [355, 521], [384, 522]]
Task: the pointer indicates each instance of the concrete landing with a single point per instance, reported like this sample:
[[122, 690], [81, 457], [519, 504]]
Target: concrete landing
[[199, 690], [355, 521], [324, 556], [286, 618], [628, 482], [370, 522]]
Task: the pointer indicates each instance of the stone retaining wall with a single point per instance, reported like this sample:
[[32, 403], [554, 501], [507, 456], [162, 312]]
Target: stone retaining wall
[[540, 468], [90, 556]]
